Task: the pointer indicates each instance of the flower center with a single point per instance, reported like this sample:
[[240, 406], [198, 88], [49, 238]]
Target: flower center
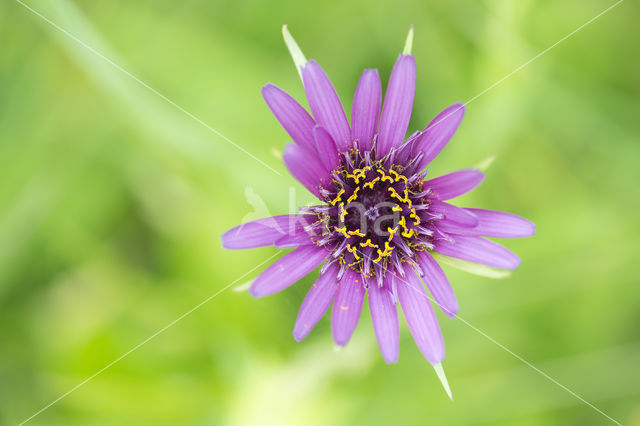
[[372, 216], [372, 213]]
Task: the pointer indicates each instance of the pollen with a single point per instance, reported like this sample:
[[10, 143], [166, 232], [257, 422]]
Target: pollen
[[398, 177], [343, 212], [395, 194], [353, 250], [338, 197], [371, 183], [342, 230], [357, 232], [354, 196], [415, 216], [358, 174], [386, 253], [384, 176], [382, 211], [368, 243], [392, 232]]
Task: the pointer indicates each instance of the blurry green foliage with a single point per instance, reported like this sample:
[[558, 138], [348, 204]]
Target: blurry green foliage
[[112, 202]]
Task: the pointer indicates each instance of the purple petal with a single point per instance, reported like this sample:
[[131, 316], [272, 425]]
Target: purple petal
[[325, 104], [264, 232], [438, 284], [420, 317], [384, 316], [291, 115], [326, 148], [501, 224], [398, 102], [287, 270], [316, 302], [479, 250], [449, 227], [347, 307], [438, 133], [305, 167], [298, 237], [366, 108], [457, 215], [455, 184]]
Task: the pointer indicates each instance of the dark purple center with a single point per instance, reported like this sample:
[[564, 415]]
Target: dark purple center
[[375, 213]]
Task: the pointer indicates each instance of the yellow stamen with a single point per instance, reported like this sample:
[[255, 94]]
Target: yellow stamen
[[368, 243], [404, 199], [414, 215], [397, 176], [342, 231], [408, 234], [357, 232], [357, 175], [392, 232], [338, 197], [386, 253], [384, 176], [353, 250], [394, 193], [371, 183], [343, 212], [354, 196]]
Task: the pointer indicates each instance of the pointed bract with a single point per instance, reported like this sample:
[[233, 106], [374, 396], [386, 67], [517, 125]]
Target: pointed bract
[[408, 43], [296, 54], [443, 379]]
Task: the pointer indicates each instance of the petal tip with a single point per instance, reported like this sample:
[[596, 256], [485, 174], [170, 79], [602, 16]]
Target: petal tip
[[260, 291], [269, 93], [340, 341], [480, 175], [255, 292], [390, 359], [451, 312], [228, 239], [299, 334]]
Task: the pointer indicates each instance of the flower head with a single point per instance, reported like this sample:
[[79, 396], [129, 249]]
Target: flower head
[[378, 223]]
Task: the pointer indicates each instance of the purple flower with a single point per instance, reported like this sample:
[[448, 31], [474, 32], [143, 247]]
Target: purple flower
[[378, 223]]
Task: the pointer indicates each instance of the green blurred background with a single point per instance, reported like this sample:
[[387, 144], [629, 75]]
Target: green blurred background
[[112, 202]]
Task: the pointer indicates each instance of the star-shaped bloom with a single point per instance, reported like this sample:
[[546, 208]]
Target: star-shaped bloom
[[379, 224]]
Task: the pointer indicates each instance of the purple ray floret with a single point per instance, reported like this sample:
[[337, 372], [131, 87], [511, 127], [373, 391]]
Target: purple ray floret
[[379, 225]]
